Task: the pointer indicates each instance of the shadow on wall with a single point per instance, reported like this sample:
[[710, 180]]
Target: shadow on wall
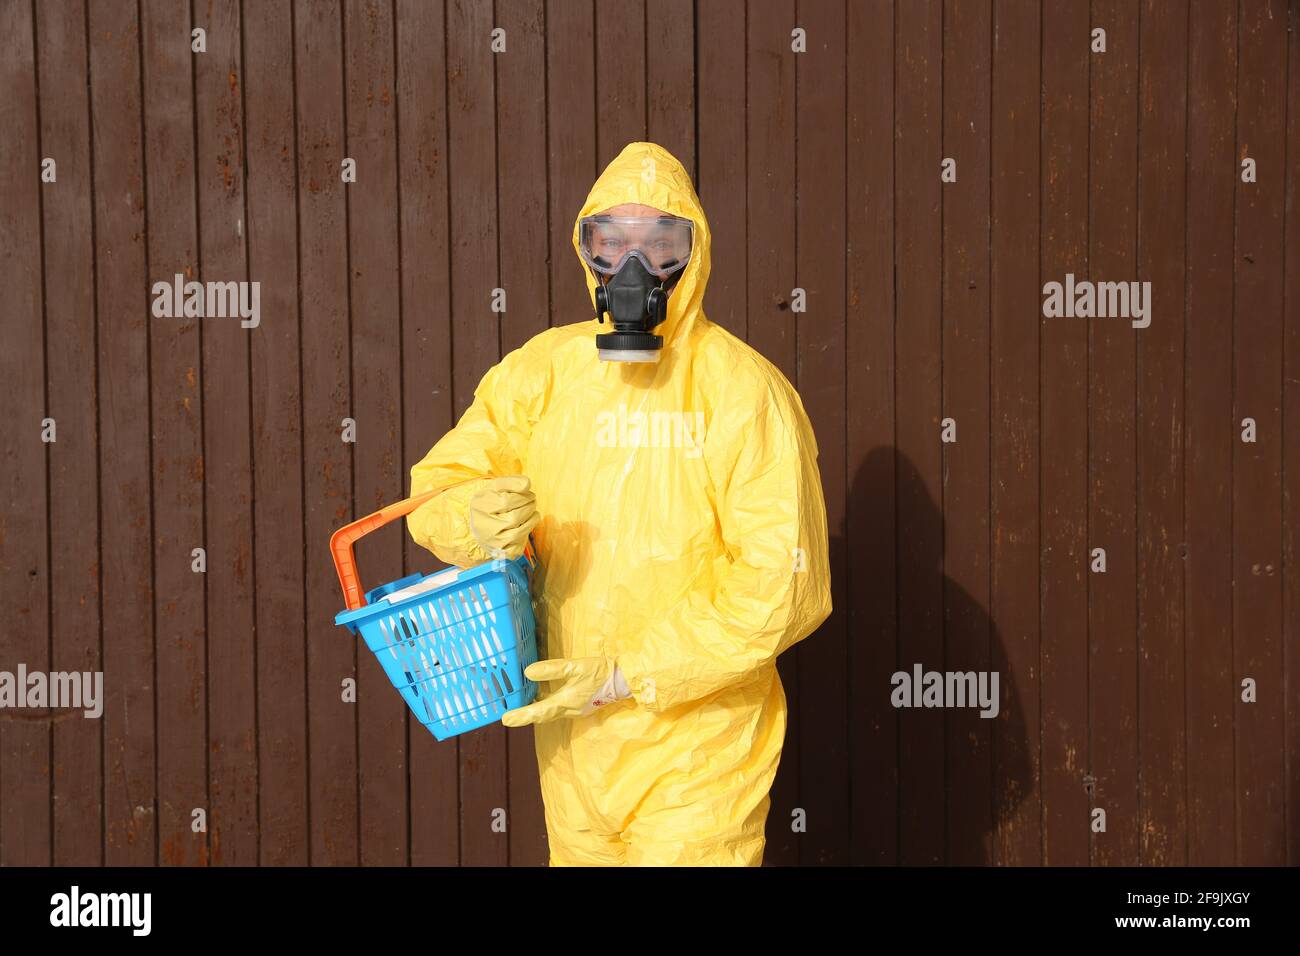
[[931, 785]]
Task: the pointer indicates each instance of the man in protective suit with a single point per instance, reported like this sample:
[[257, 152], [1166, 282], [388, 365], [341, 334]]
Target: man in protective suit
[[669, 478]]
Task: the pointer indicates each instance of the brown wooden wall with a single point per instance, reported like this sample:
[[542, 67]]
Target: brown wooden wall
[[819, 170]]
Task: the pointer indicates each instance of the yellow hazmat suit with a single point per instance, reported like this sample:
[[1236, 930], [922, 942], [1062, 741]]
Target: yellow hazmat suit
[[682, 535]]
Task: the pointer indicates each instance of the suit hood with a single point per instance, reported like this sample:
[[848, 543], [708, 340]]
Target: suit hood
[[648, 174]]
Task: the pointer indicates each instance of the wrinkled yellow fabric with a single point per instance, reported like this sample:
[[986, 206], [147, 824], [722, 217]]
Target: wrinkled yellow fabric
[[682, 534]]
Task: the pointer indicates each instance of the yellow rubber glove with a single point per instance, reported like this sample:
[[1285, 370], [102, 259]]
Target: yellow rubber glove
[[502, 514], [583, 685]]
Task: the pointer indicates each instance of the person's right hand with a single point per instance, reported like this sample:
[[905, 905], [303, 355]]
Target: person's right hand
[[502, 514]]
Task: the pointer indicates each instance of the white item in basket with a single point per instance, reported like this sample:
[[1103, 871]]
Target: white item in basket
[[428, 584]]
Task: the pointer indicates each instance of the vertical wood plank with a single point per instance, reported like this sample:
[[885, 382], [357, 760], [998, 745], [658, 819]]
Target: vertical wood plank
[[1210, 433], [122, 361], [1256, 466], [521, 172], [1063, 424], [522, 202], [820, 732], [332, 655], [771, 272], [376, 402], [870, 518], [1016, 314], [918, 261], [77, 778], [1291, 443], [476, 344], [1162, 227], [278, 452], [571, 98], [620, 83], [722, 157], [176, 385], [228, 470], [968, 636], [670, 79], [25, 824], [1112, 460], [426, 360]]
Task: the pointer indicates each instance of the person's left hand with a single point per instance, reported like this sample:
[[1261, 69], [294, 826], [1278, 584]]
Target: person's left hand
[[582, 684]]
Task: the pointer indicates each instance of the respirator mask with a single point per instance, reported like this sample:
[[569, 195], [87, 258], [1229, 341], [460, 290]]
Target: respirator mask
[[637, 261]]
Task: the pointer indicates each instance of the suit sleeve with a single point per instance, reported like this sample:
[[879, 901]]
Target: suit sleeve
[[488, 442], [777, 589]]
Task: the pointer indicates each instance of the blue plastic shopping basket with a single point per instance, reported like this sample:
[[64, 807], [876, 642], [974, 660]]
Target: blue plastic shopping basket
[[454, 643]]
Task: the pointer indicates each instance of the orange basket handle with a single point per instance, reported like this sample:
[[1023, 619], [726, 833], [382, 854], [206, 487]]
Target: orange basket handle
[[342, 540]]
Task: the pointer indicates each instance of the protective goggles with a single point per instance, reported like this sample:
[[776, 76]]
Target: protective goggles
[[663, 245]]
